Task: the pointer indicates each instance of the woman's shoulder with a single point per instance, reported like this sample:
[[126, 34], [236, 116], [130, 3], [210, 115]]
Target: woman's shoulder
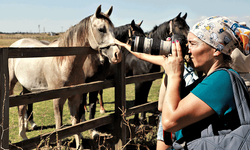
[[219, 76], [216, 90]]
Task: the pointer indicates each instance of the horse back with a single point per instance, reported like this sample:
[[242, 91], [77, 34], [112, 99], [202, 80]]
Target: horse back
[[27, 42]]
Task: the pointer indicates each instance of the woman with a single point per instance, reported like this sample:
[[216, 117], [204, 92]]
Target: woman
[[211, 101], [241, 64]]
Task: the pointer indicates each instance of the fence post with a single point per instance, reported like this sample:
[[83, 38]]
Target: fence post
[[4, 99], [120, 102]]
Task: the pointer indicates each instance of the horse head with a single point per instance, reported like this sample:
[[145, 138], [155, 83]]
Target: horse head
[[136, 29], [101, 35], [178, 25]]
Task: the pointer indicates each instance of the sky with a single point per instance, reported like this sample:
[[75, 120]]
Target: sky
[[59, 15]]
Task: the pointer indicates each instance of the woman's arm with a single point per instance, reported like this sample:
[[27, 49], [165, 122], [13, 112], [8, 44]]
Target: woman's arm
[[162, 92], [155, 59], [189, 110]]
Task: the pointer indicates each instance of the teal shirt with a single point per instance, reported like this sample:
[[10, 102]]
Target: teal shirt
[[216, 91]]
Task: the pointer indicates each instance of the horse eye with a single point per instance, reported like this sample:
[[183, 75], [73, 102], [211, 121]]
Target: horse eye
[[103, 30], [181, 27]]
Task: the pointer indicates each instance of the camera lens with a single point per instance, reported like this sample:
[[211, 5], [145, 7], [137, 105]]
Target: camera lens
[[156, 46], [150, 46]]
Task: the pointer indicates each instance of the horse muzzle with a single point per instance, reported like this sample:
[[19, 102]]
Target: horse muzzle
[[112, 52]]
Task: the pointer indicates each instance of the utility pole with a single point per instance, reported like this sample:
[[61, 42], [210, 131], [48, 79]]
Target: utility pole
[[39, 28]]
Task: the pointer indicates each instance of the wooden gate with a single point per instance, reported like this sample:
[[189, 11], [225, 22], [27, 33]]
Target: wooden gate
[[119, 83]]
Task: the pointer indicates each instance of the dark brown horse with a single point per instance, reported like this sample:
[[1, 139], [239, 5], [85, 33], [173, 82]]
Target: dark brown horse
[[176, 25]]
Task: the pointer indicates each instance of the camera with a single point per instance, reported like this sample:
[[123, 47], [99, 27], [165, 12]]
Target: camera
[[156, 46]]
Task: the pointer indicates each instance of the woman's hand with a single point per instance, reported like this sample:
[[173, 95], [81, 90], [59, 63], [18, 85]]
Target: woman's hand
[[174, 63], [119, 43]]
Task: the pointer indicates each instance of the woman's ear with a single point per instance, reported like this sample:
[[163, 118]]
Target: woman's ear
[[217, 53]]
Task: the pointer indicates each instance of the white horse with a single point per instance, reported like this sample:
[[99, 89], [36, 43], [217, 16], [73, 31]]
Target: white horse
[[45, 73]]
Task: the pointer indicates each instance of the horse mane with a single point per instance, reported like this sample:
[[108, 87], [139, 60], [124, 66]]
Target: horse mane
[[160, 32], [121, 33], [77, 35], [155, 28]]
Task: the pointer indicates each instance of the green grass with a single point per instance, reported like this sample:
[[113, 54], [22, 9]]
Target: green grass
[[44, 113]]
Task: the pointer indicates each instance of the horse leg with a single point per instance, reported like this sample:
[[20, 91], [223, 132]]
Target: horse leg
[[74, 105], [141, 96], [29, 114], [92, 104], [85, 97], [82, 107], [92, 110], [102, 110], [21, 112], [22, 108], [58, 112]]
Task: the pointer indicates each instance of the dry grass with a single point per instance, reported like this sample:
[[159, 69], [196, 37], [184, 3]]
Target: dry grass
[[7, 39]]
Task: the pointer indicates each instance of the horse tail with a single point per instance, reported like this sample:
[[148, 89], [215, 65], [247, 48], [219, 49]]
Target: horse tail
[[12, 76]]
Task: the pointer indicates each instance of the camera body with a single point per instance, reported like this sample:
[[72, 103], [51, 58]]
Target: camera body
[[156, 46]]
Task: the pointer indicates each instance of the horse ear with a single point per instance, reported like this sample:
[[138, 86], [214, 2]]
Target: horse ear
[[179, 15], [185, 16], [108, 13], [139, 24], [132, 25], [98, 10]]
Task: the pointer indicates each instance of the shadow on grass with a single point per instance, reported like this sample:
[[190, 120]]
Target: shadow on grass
[[46, 127]]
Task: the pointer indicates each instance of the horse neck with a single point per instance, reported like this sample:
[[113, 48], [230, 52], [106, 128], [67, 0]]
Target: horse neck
[[76, 35], [71, 61], [70, 68], [161, 32], [121, 33], [91, 64], [94, 69]]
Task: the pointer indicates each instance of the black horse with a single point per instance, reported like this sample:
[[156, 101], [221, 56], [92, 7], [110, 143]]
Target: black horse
[[176, 25]]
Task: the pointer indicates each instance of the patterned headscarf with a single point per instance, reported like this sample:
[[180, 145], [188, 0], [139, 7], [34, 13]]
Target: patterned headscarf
[[223, 34]]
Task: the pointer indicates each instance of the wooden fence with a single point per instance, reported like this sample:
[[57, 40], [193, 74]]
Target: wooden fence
[[119, 83]]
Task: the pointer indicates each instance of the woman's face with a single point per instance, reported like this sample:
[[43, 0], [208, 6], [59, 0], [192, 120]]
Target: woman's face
[[201, 54]]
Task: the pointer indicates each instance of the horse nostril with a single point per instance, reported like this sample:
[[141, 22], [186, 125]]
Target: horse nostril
[[116, 56]]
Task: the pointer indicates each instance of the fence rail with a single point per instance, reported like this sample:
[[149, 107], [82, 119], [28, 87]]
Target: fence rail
[[120, 99]]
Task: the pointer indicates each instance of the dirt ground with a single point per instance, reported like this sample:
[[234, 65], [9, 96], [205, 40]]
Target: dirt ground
[[141, 137]]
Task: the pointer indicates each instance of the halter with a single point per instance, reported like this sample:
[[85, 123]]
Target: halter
[[130, 34], [171, 28]]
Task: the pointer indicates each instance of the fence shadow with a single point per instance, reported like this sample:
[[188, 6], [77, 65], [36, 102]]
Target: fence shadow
[[46, 127]]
